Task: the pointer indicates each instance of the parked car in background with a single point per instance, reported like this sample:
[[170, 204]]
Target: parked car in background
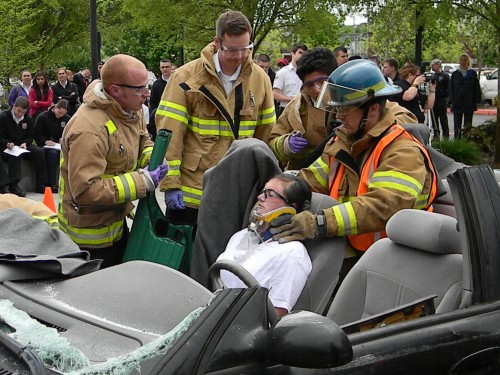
[[450, 67], [489, 86]]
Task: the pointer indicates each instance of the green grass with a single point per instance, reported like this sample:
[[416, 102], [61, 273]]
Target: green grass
[[461, 150]]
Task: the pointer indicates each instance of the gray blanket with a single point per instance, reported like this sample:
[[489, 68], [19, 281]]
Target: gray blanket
[[31, 245], [230, 190]]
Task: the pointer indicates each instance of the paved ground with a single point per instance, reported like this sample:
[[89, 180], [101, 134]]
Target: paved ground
[[39, 197]]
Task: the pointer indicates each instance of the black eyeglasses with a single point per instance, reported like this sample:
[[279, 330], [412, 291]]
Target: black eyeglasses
[[271, 193]]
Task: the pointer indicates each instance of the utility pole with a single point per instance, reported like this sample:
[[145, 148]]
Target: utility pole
[[95, 44]]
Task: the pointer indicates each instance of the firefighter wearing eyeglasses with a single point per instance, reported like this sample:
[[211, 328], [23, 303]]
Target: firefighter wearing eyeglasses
[[207, 104], [373, 167], [105, 151]]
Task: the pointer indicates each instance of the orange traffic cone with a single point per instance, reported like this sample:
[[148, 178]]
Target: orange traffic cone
[[48, 199]]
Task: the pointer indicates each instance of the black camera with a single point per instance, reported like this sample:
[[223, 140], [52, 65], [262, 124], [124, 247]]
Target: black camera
[[430, 77]]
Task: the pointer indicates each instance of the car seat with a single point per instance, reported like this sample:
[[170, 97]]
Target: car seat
[[420, 257], [444, 166], [327, 255]]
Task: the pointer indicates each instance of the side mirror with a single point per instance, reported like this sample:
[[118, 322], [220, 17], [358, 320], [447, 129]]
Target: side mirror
[[308, 340]]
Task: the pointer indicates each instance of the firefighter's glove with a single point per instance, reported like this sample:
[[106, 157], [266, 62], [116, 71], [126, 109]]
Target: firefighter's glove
[[174, 199], [158, 173], [296, 143], [296, 228]]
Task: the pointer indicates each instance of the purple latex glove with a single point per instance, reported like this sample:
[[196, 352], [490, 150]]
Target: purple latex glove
[[296, 143], [158, 173], [174, 199]]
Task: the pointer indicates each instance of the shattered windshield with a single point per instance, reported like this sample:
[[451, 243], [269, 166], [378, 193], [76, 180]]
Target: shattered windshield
[[58, 353]]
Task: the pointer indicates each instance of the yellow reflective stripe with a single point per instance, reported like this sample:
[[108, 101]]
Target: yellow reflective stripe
[[209, 127], [125, 185], [319, 170], [174, 168], [266, 116], [346, 199], [277, 146], [145, 156], [52, 221], [92, 236], [347, 224], [422, 201], [396, 180], [362, 93], [173, 110], [191, 195], [110, 126]]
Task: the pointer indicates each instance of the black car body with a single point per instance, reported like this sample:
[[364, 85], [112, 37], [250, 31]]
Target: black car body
[[118, 312]]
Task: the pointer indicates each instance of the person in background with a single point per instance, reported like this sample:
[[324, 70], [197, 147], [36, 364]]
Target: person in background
[[65, 89], [341, 55], [282, 63], [390, 70], [264, 61], [281, 268], [159, 84], [287, 83], [82, 80], [100, 64], [21, 89], [439, 110], [375, 59], [70, 75], [17, 129], [411, 97], [40, 95], [302, 127], [465, 93], [105, 150], [49, 128], [210, 102]]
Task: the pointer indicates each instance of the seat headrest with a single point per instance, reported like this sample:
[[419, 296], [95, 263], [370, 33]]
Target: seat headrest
[[419, 131], [321, 201], [427, 231]]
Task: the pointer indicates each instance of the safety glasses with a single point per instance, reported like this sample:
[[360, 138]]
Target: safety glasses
[[273, 194], [137, 90]]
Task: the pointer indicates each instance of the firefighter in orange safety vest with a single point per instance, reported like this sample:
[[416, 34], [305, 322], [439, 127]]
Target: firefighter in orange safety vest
[[373, 167]]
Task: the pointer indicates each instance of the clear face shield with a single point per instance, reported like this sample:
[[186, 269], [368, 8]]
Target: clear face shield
[[340, 99]]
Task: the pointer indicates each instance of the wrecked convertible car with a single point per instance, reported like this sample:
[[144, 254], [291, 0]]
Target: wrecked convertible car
[[426, 300]]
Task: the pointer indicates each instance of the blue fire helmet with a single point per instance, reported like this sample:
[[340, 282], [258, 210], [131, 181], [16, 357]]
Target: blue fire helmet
[[352, 84]]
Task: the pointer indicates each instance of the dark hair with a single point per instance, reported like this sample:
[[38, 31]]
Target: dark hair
[[339, 49], [297, 191], [354, 57], [316, 60], [42, 94], [232, 22], [62, 103], [298, 46], [165, 61], [22, 102], [264, 58], [392, 62]]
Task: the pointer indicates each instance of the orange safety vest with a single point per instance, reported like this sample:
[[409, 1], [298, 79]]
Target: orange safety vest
[[363, 241]]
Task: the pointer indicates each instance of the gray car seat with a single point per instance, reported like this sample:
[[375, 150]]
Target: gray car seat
[[420, 257], [326, 255], [444, 166]]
